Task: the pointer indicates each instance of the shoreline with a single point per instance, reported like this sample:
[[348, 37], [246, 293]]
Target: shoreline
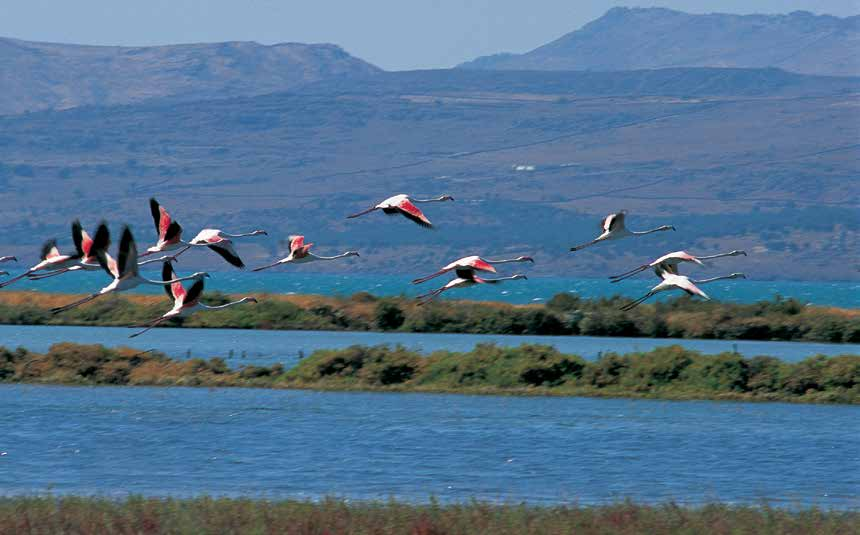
[[563, 315], [670, 373]]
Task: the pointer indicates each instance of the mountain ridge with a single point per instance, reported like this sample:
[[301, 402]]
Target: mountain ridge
[[39, 75], [649, 38]]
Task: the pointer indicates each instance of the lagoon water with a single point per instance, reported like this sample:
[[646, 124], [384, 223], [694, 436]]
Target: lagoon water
[[304, 444], [535, 289], [257, 347]]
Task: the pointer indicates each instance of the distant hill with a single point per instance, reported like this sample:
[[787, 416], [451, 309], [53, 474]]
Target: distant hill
[[758, 159], [36, 76], [653, 38]]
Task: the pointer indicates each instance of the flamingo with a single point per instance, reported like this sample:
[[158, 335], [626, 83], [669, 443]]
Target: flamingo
[[184, 303], [50, 259], [300, 254], [673, 281], [123, 270], [220, 242], [464, 279], [473, 263], [170, 237], [405, 206], [614, 229], [673, 259], [87, 253]]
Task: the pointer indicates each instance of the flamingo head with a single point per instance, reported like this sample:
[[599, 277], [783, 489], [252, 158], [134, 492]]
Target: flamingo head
[[251, 300], [200, 275], [352, 253], [4, 272], [666, 227], [738, 253], [526, 259], [259, 233], [518, 276], [446, 198], [737, 276]]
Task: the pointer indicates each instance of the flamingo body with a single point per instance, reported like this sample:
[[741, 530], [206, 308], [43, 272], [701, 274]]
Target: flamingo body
[[613, 228], [300, 253], [404, 205], [472, 264]]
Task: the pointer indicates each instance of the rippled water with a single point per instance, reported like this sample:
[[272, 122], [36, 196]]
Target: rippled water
[[535, 289], [305, 444], [267, 347]]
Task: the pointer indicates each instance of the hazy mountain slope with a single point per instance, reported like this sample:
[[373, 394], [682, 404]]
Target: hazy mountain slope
[[651, 38], [35, 76], [533, 168]]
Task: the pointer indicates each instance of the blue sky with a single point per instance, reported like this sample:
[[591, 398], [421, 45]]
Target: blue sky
[[394, 34]]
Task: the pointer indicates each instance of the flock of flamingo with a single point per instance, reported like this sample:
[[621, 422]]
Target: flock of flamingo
[[91, 254]]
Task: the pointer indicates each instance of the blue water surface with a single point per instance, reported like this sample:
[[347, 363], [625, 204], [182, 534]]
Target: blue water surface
[[533, 290], [304, 444], [259, 347]]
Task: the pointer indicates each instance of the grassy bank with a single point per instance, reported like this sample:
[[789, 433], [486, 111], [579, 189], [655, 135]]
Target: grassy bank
[[665, 373], [564, 314], [221, 515]]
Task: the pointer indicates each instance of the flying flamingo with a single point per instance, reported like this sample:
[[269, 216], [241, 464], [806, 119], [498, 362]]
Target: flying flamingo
[[473, 263], [673, 281], [405, 206], [465, 278], [673, 259], [50, 259], [614, 229], [220, 242], [184, 303], [170, 237], [123, 270], [300, 254], [84, 245]]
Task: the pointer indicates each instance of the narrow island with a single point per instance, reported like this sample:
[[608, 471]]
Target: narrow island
[[669, 372], [564, 314], [138, 514]]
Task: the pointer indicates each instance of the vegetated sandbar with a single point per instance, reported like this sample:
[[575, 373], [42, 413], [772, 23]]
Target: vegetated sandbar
[[564, 314], [664, 373], [238, 515]]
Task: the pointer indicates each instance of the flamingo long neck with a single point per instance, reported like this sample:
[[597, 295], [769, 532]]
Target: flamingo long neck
[[225, 305], [643, 232], [712, 279], [506, 261], [437, 199], [318, 257], [159, 259], [501, 279], [165, 283], [254, 233], [715, 256]]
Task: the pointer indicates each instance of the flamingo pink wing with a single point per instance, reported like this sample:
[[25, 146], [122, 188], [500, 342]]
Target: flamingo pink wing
[[178, 291], [413, 210], [690, 288], [86, 244], [482, 265], [296, 242], [163, 222]]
